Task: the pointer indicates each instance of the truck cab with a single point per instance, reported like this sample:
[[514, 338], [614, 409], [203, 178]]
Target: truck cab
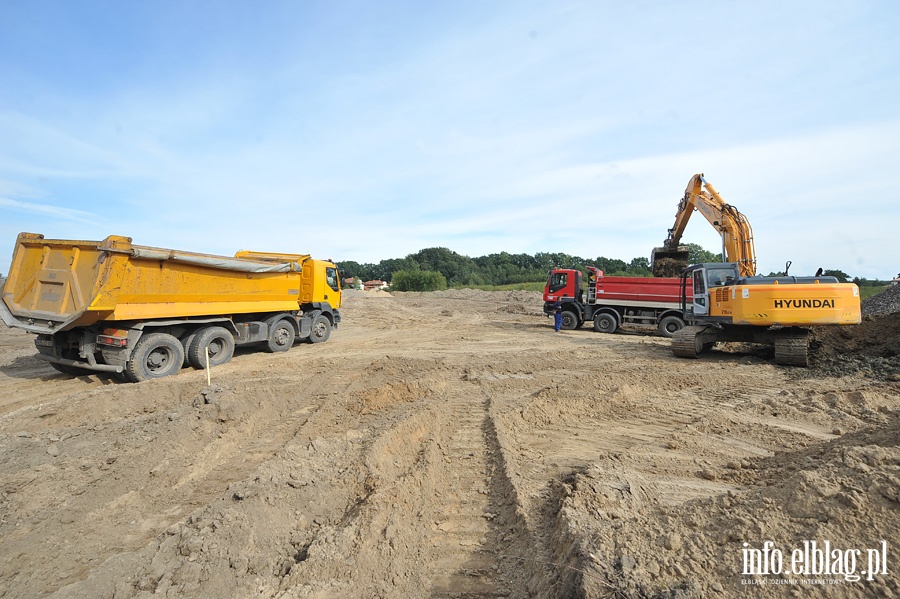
[[564, 285]]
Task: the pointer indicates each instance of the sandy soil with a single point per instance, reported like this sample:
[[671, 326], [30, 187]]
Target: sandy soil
[[451, 445]]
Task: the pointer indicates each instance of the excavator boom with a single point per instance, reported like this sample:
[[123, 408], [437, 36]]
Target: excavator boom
[[737, 235]]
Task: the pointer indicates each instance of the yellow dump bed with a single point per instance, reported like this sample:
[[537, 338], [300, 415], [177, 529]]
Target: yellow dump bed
[[57, 284]]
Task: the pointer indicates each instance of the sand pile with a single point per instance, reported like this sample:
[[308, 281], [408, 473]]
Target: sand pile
[[844, 491]]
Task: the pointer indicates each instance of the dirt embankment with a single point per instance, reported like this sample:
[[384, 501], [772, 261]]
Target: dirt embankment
[[872, 348], [451, 445]]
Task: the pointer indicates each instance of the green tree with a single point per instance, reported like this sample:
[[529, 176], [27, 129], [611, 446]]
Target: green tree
[[696, 254], [639, 267], [418, 280], [457, 269], [841, 275], [349, 268], [385, 269], [610, 265]]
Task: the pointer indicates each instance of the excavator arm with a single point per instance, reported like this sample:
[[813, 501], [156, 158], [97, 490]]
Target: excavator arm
[[737, 236]]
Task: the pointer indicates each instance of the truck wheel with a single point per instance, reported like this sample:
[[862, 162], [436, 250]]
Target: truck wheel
[[186, 343], [605, 323], [569, 321], [220, 343], [669, 325], [281, 336], [321, 329], [156, 355]]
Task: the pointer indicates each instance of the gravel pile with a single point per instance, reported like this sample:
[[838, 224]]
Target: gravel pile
[[886, 302], [871, 348]]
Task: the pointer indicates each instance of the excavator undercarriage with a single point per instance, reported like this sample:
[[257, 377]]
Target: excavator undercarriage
[[791, 343]]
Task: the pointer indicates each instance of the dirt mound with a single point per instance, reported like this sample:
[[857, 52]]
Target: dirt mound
[[462, 301], [369, 293], [843, 491], [479, 295], [886, 302], [871, 347], [668, 267]]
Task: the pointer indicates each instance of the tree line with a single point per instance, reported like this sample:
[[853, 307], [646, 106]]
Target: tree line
[[494, 269], [439, 268]]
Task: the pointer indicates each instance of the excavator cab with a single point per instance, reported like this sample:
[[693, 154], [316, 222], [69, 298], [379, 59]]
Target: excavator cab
[[708, 281]]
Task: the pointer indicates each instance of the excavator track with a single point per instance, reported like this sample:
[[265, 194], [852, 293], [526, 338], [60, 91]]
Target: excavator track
[[687, 342], [792, 349]]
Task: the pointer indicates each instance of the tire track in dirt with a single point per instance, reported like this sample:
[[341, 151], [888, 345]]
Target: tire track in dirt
[[479, 527], [435, 513], [24, 384], [160, 467]]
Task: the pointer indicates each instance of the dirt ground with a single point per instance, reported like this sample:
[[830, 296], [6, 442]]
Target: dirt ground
[[452, 445]]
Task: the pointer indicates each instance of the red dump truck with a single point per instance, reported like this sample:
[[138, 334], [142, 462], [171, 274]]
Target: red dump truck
[[611, 302]]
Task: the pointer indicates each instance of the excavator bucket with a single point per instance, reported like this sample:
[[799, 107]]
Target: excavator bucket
[[669, 263]]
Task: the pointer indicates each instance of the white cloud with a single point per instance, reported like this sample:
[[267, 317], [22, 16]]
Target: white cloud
[[48, 210], [567, 127]]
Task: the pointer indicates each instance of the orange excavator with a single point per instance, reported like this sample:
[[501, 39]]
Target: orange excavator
[[737, 236]]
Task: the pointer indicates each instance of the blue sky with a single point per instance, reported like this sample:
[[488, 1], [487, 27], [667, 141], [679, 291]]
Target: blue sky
[[370, 130]]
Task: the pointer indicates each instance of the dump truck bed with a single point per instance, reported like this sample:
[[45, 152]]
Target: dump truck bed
[[57, 284], [639, 291]]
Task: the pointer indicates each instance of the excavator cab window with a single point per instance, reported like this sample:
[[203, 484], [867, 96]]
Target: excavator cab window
[[558, 280], [720, 276]]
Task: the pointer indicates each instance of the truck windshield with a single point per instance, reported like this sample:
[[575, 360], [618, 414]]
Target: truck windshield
[[558, 281]]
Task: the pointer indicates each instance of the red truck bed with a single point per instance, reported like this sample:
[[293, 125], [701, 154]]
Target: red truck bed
[[639, 291]]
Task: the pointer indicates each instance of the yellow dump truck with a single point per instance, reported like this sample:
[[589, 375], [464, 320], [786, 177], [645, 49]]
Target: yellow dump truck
[[146, 312]]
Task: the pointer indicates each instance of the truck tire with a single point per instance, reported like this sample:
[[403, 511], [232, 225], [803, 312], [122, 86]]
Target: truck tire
[[604, 322], [281, 336], [186, 343], [156, 355], [321, 329], [569, 320], [670, 325], [220, 343]]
